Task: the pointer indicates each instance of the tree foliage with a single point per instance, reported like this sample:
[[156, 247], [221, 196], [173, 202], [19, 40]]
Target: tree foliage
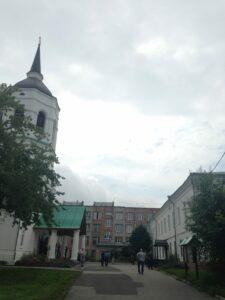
[[140, 238], [207, 213], [28, 181]]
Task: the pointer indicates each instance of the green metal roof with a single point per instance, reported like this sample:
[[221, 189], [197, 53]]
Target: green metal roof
[[65, 217]]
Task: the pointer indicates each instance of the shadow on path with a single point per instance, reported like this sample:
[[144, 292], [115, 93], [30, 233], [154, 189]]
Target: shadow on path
[[109, 284]]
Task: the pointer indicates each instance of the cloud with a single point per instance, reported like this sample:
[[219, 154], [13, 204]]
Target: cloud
[[140, 85], [77, 188]]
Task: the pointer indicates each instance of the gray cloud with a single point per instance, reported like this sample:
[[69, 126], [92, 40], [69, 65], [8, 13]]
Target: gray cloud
[[163, 58]]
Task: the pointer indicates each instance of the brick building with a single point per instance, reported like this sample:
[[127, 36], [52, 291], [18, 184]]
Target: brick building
[[109, 227]]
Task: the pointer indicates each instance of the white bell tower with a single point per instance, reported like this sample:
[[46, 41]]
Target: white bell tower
[[39, 102]]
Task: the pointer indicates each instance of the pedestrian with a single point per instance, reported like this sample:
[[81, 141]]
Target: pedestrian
[[102, 258], [141, 261], [82, 257], [107, 258], [151, 261], [65, 253]]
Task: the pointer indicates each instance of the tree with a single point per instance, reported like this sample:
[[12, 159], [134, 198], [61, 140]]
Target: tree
[[140, 238], [28, 182], [207, 213]]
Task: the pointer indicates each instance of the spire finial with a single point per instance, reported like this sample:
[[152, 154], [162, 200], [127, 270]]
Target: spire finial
[[36, 66]]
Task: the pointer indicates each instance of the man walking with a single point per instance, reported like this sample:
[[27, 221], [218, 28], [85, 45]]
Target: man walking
[[141, 261]]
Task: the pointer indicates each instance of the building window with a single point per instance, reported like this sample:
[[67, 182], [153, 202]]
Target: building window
[[140, 217], [88, 215], [88, 227], [164, 221], [119, 216], [3, 216], [108, 223], [54, 133], [129, 228], [130, 216], [22, 237], [41, 120], [96, 227], [95, 240], [178, 215], [87, 240], [108, 235], [149, 217], [169, 222], [97, 215], [118, 228], [118, 239], [161, 227]]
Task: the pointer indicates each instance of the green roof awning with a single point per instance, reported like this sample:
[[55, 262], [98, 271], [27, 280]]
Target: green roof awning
[[191, 240], [65, 217]]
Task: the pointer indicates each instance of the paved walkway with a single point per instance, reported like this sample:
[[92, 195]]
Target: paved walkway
[[122, 281]]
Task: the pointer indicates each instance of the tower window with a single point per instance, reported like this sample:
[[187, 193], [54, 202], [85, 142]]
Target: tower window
[[41, 119]]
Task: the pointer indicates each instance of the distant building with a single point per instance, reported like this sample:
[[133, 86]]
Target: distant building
[[168, 227], [109, 227]]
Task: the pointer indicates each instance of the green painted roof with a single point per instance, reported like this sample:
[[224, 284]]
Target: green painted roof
[[65, 217]]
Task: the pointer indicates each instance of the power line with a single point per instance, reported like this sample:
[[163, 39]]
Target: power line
[[218, 161]]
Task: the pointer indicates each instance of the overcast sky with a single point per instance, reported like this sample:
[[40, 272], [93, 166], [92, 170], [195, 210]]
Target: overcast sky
[[140, 84]]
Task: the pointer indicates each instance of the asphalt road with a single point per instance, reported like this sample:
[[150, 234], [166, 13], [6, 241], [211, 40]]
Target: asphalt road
[[122, 281]]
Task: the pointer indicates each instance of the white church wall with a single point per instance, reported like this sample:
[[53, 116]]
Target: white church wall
[[8, 237], [15, 242]]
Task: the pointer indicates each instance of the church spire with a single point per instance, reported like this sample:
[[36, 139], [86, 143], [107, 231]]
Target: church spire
[[36, 66]]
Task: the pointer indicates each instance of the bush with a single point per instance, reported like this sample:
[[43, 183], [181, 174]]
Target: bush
[[41, 261]]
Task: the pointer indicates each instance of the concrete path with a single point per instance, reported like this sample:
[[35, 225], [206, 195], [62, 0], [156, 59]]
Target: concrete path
[[122, 281]]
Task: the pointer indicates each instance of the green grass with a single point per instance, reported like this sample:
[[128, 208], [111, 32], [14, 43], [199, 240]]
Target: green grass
[[208, 282], [35, 284]]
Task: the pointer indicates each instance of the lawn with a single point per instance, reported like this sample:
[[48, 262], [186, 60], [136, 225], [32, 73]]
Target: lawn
[[35, 284], [208, 281]]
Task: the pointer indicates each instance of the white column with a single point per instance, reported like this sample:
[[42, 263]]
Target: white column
[[75, 245], [82, 237], [52, 244]]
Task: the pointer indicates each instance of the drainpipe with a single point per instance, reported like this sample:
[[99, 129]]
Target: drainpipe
[[17, 235], [174, 227]]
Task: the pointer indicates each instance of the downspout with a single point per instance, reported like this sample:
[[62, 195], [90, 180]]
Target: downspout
[[174, 227], [17, 236]]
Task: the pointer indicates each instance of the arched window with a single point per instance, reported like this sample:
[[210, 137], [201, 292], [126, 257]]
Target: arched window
[[41, 119]]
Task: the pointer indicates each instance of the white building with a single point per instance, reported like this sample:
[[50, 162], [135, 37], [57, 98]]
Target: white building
[[43, 108], [168, 227]]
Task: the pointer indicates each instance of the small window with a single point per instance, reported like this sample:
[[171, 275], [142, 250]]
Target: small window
[[108, 235], [41, 119], [108, 223], [119, 228]]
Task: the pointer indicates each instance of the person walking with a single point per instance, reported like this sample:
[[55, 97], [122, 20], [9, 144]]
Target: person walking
[[82, 257], [102, 258], [107, 258], [141, 261]]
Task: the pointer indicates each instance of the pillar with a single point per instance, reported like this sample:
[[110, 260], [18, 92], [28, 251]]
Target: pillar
[[83, 241], [75, 245], [52, 244]]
